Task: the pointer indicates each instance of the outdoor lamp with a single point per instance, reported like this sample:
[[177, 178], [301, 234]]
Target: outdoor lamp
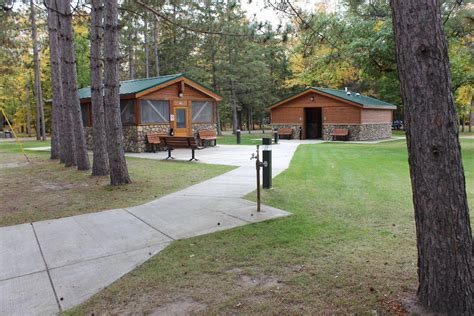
[[267, 163]]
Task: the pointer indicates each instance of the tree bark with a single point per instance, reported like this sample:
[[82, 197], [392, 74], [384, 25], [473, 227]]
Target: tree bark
[[56, 85], [147, 54], [214, 86], [28, 113], [156, 52], [117, 163], [100, 162], [235, 120], [444, 238], [67, 141], [40, 126], [70, 94], [249, 117], [131, 68], [471, 114]]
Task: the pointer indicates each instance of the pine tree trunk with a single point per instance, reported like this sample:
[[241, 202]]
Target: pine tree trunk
[[131, 69], [56, 85], [444, 239], [100, 162], [28, 113], [115, 149], [147, 54], [214, 86], [471, 115], [156, 52], [70, 94], [235, 120], [40, 126], [66, 139], [249, 117]]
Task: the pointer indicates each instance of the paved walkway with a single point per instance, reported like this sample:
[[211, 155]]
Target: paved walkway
[[53, 265]]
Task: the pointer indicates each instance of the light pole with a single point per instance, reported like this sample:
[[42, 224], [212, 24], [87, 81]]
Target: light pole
[[267, 163]]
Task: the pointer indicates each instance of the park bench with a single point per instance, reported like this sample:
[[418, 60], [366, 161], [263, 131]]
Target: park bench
[[154, 140], [207, 136], [340, 132], [286, 132], [175, 142]]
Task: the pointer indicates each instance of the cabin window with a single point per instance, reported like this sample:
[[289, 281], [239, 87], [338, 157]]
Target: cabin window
[[85, 114], [155, 111], [127, 111], [202, 111]]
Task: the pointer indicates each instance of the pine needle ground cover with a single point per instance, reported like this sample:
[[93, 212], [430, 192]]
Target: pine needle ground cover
[[47, 190], [349, 246]]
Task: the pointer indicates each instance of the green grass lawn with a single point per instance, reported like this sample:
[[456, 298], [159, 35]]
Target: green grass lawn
[[349, 246], [465, 133], [45, 189], [246, 139]]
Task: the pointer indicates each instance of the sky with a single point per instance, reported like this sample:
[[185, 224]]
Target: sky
[[260, 10]]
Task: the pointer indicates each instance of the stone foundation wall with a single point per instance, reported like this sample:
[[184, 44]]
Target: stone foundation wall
[[361, 132], [88, 135], [296, 129], [134, 137], [207, 126], [140, 141]]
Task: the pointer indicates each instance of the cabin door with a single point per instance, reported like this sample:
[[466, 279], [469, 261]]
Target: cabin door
[[181, 121], [313, 123]]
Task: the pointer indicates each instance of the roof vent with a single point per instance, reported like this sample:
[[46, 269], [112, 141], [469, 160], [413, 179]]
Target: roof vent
[[348, 93], [357, 94], [345, 89]]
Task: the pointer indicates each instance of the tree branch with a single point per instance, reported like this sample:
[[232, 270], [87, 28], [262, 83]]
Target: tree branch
[[184, 27]]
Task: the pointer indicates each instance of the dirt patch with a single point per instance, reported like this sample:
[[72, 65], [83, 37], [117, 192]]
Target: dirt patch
[[10, 165], [184, 306], [403, 303], [261, 281], [42, 186]]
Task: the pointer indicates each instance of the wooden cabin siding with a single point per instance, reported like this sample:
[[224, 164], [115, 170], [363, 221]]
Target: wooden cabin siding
[[195, 95], [284, 115], [167, 93], [341, 115], [319, 100], [373, 116], [334, 111], [171, 92]]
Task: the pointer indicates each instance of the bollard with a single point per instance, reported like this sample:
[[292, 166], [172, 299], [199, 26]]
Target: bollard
[[237, 133], [267, 163], [275, 136]]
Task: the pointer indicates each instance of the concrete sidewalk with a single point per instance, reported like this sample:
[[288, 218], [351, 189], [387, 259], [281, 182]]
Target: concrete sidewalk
[[53, 265]]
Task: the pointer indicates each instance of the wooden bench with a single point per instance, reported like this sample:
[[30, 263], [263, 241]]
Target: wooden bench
[[174, 142], [154, 140], [340, 132], [207, 135], [287, 132]]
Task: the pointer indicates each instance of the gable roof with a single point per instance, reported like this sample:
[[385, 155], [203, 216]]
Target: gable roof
[[361, 100], [134, 86]]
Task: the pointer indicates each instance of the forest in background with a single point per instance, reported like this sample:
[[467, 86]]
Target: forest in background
[[251, 63]]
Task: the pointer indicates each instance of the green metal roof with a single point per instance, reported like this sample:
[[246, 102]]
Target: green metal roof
[[135, 85], [363, 100]]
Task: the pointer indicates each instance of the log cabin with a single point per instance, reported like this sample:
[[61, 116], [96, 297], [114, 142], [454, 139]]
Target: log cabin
[[316, 112], [158, 105]]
